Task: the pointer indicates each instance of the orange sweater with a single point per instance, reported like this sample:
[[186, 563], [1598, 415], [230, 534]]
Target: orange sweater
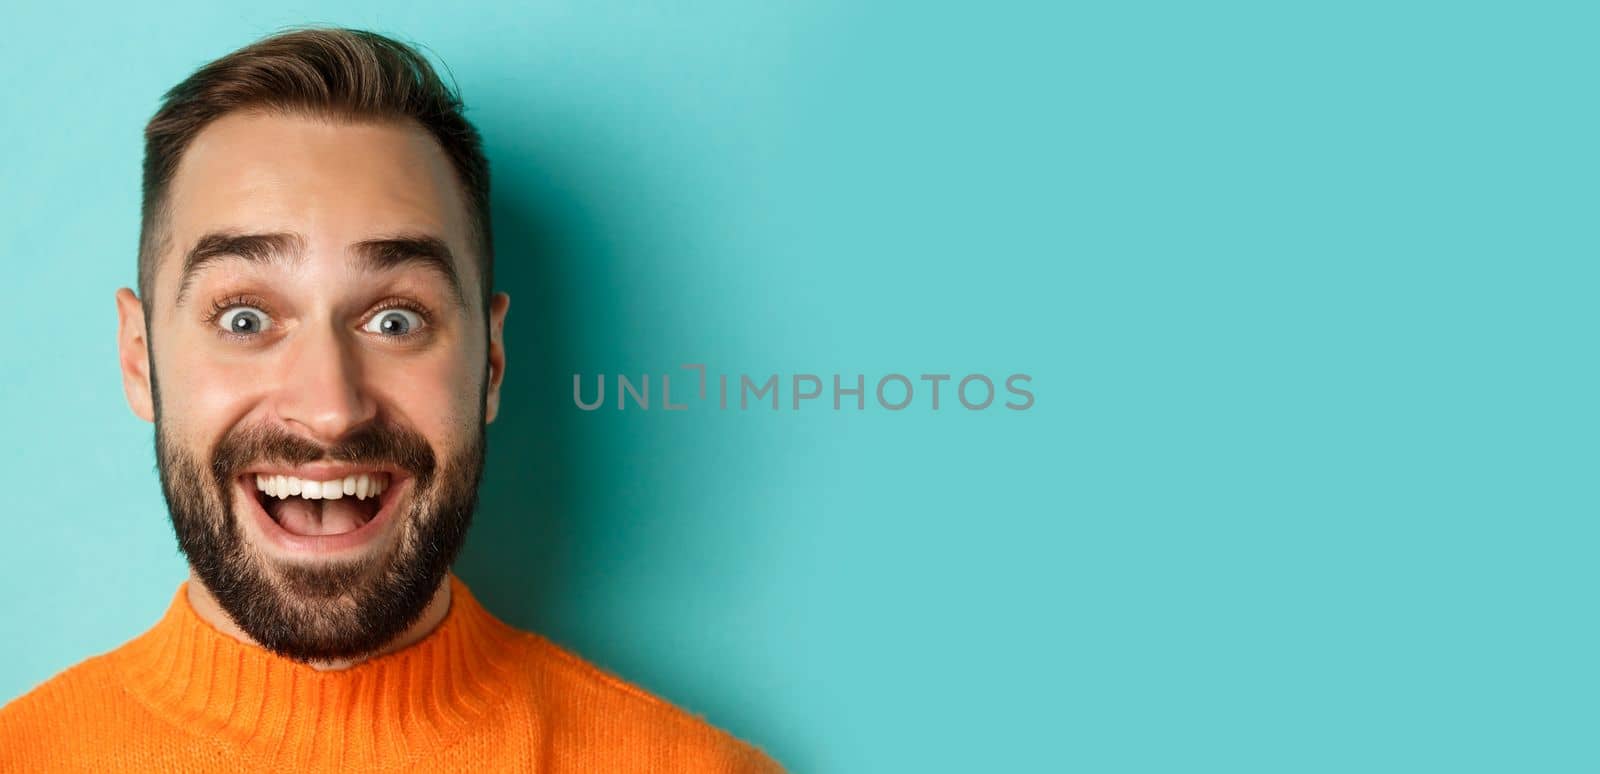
[[474, 696]]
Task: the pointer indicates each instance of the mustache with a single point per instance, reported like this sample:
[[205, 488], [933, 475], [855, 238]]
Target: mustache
[[376, 444]]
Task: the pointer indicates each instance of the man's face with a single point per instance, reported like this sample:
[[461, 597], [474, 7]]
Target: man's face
[[320, 375]]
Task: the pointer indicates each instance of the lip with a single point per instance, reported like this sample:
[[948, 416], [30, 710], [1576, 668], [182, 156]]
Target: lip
[[321, 545], [324, 471]]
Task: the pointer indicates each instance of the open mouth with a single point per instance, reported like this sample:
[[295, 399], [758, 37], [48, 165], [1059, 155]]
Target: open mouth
[[314, 508]]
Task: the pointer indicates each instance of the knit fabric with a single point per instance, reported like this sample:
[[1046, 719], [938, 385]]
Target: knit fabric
[[475, 695]]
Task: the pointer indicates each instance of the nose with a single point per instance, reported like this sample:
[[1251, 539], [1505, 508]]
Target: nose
[[321, 388]]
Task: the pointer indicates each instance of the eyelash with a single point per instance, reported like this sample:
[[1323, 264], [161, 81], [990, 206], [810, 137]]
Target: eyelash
[[224, 304], [392, 302], [399, 302]]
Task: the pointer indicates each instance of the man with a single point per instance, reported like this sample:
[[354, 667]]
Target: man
[[316, 341]]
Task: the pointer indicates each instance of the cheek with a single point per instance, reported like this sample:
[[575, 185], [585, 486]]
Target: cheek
[[204, 396], [436, 395], [204, 393]]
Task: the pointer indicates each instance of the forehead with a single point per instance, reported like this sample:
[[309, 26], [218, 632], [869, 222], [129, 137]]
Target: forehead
[[333, 181]]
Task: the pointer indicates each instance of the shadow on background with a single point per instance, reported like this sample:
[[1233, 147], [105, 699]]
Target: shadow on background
[[526, 509], [539, 513]]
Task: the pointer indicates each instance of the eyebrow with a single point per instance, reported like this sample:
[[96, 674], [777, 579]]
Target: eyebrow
[[377, 254]]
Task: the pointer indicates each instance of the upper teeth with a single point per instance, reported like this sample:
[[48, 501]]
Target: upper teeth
[[362, 486]]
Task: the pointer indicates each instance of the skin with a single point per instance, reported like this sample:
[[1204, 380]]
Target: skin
[[317, 370]]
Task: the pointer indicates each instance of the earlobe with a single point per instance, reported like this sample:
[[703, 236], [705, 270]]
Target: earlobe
[[133, 354]]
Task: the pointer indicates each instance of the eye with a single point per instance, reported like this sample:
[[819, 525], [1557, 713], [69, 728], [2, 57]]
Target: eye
[[244, 320], [394, 322]]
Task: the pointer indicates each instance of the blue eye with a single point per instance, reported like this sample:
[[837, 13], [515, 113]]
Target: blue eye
[[394, 322], [244, 320]]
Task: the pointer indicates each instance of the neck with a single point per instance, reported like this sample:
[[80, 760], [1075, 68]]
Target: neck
[[207, 607]]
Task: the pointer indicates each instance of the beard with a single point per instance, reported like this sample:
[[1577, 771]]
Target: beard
[[321, 610]]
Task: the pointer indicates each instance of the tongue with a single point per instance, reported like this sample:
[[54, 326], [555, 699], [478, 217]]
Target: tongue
[[318, 517]]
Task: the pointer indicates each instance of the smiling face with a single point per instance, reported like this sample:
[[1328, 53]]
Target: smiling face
[[319, 372]]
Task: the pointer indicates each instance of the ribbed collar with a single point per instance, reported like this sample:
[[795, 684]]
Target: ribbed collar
[[386, 711]]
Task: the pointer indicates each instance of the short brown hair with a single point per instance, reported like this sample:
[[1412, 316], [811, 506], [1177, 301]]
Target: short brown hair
[[341, 73]]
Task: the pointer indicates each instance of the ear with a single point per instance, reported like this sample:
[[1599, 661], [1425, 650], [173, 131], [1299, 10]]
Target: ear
[[499, 304], [133, 352]]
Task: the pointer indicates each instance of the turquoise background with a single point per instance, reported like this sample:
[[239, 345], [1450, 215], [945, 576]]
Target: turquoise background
[[1307, 292]]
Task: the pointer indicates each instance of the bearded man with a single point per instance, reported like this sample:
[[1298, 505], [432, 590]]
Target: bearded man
[[316, 340]]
